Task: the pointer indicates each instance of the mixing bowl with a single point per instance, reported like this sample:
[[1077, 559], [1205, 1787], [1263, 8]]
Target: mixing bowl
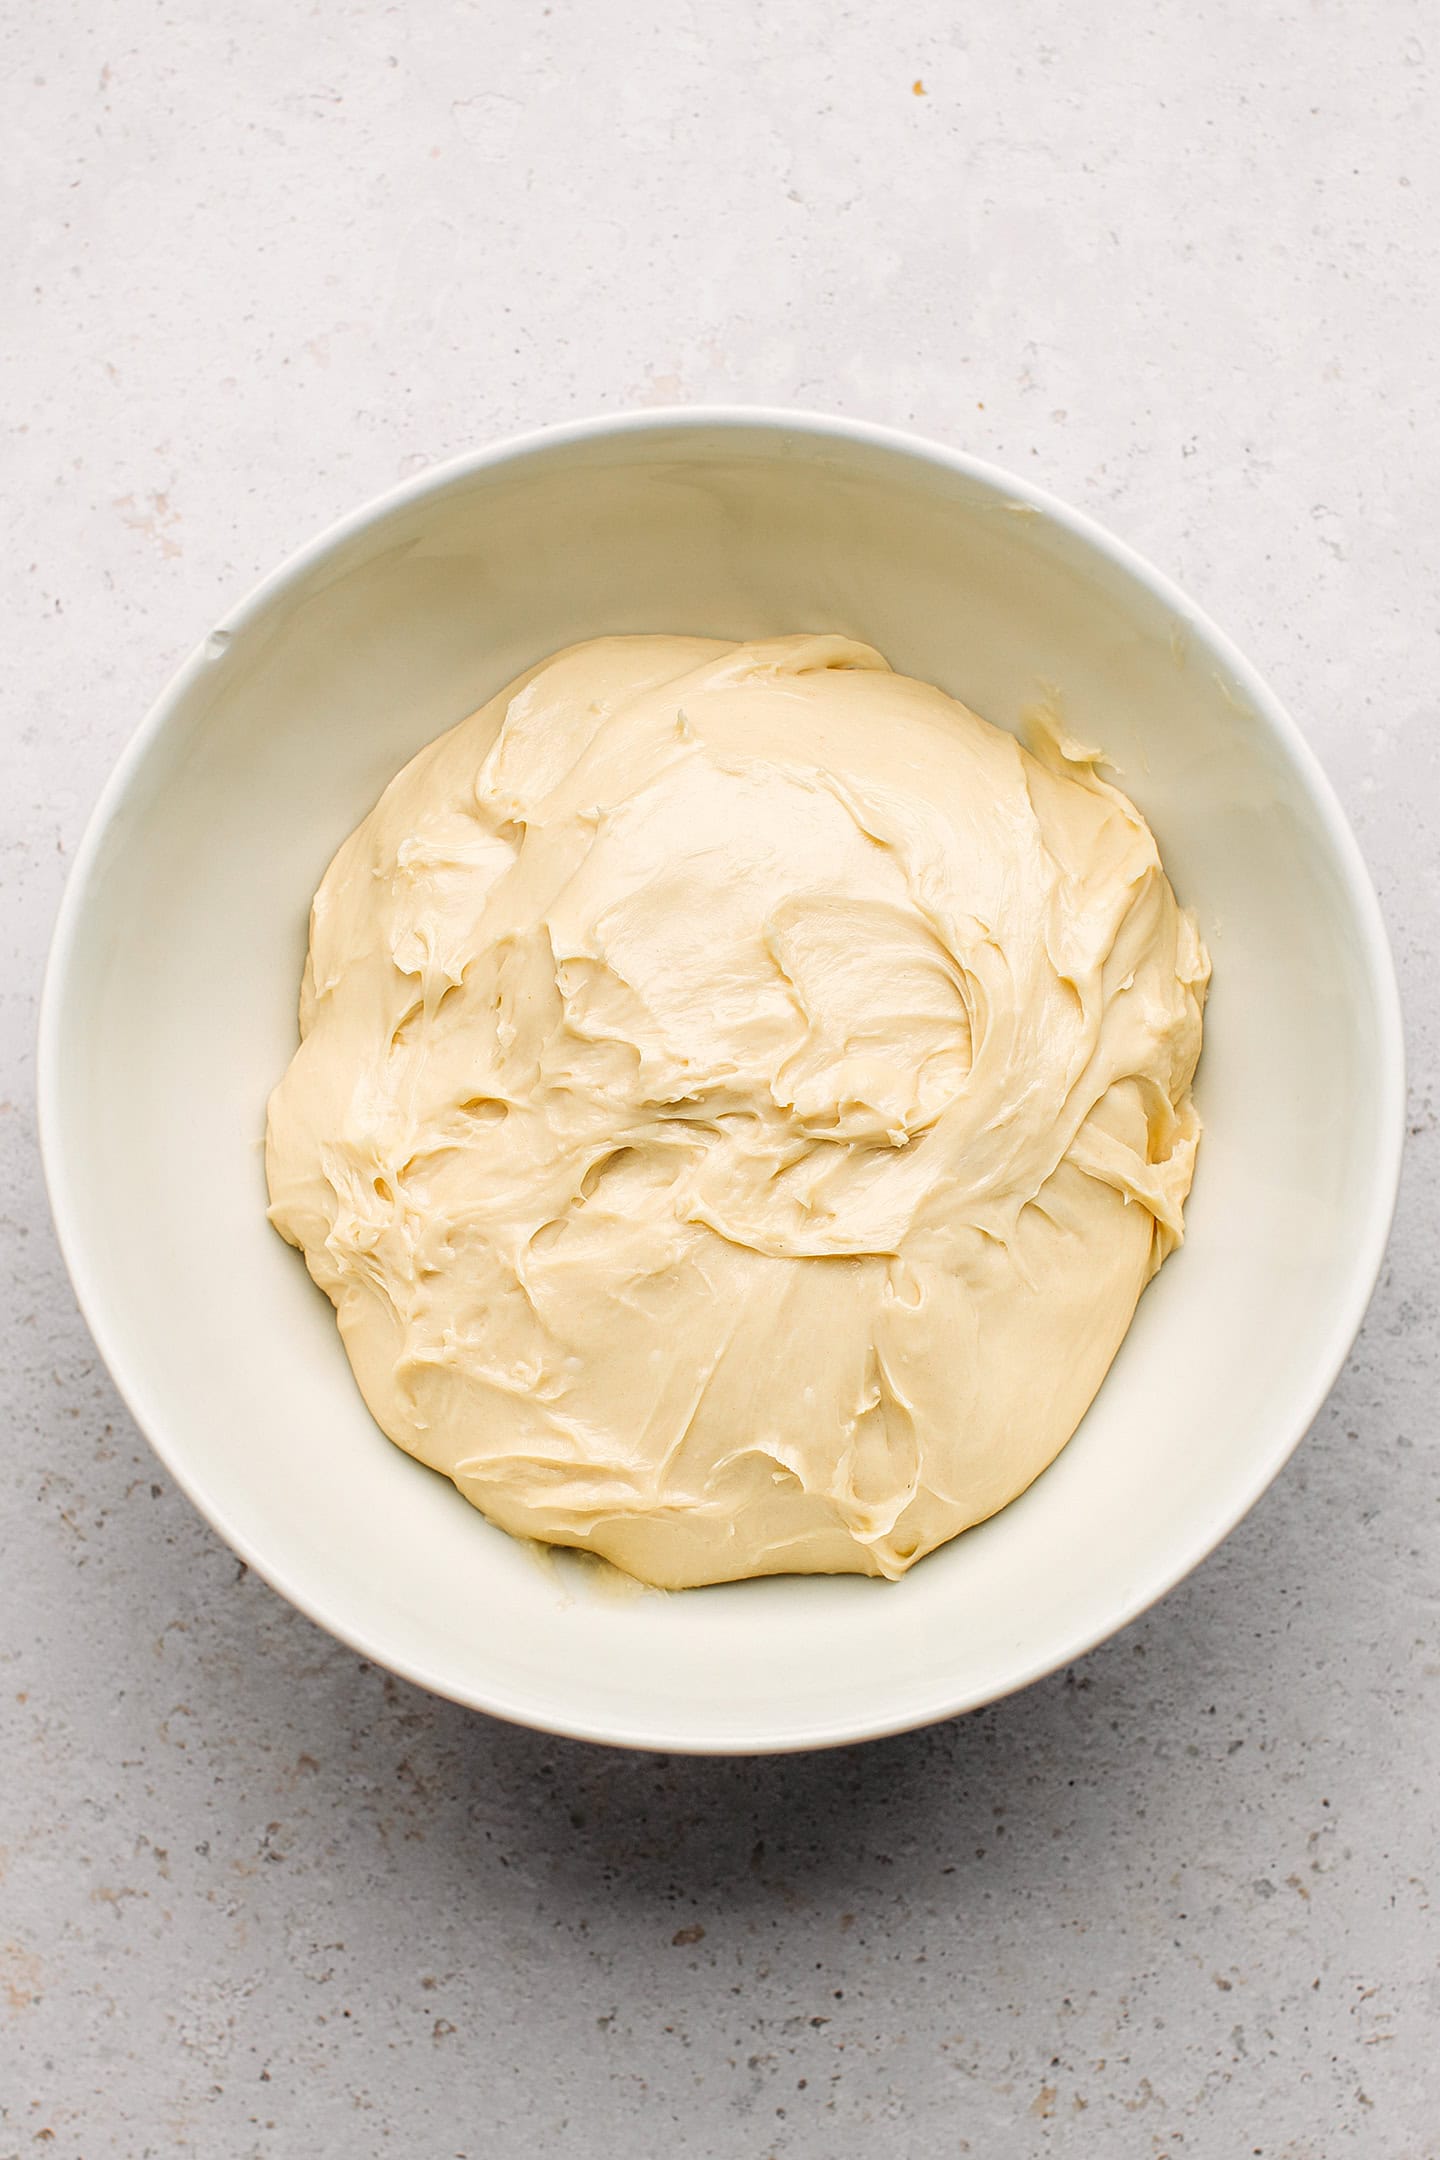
[[170, 1012]]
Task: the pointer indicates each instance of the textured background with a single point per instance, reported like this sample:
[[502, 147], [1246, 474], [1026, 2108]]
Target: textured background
[[1177, 259]]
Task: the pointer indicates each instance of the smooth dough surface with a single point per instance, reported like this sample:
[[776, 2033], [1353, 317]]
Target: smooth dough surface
[[741, 1098]]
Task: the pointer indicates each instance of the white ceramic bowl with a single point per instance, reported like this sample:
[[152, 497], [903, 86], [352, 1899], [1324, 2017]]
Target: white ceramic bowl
[[170, 1011]]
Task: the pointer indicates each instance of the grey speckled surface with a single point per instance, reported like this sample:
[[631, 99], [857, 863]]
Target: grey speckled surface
[[1181, 261]]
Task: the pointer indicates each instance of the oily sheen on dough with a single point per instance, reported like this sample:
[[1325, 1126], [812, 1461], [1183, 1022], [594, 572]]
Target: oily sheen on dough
[[741, 1098]]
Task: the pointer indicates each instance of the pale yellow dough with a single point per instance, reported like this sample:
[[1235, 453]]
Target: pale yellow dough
[[740, 1100]]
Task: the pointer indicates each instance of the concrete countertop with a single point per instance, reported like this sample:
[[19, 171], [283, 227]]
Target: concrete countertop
[[1180, 262]]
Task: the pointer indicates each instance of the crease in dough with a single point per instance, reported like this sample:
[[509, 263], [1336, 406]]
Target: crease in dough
[[741, 1098]]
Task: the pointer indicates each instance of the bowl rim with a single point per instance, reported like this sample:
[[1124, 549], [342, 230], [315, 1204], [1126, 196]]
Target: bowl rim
[[1368, 1249]]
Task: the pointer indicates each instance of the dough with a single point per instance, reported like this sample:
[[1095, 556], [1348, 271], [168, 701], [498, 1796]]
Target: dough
[[741, 1097]]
